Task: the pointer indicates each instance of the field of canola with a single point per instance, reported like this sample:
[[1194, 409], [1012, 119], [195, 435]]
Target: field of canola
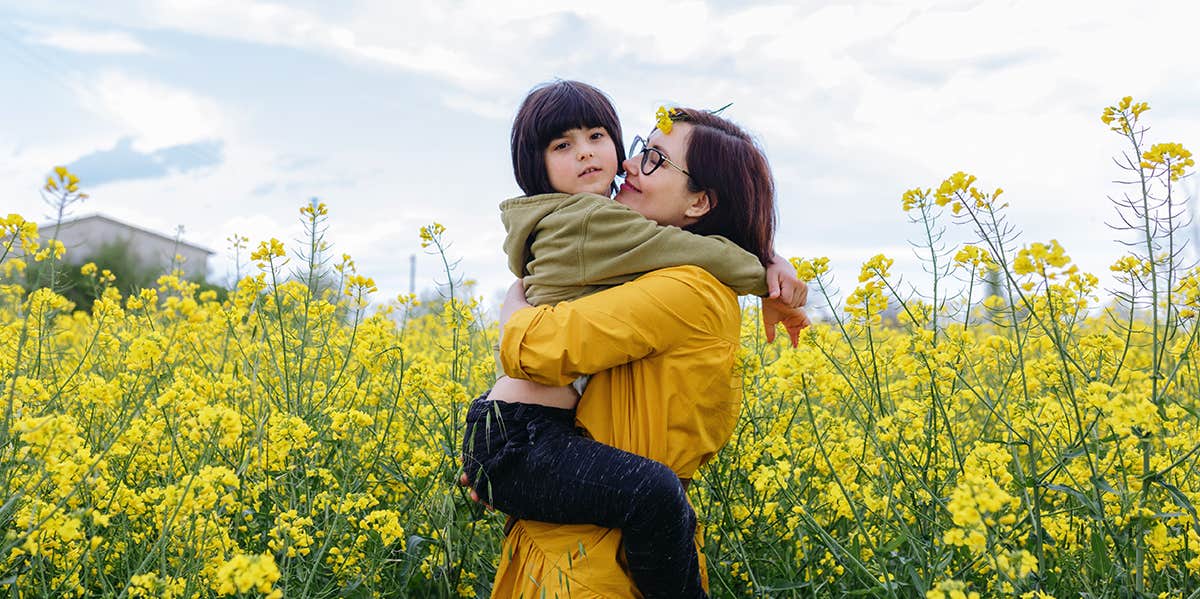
[[1015, 430]]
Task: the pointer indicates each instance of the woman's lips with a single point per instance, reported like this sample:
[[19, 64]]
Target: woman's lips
[[629, 186]]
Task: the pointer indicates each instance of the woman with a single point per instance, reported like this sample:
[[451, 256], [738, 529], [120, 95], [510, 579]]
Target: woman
[[661, 348]]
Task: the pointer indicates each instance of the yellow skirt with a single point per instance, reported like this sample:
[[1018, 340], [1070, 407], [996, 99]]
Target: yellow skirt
[[559, 561]]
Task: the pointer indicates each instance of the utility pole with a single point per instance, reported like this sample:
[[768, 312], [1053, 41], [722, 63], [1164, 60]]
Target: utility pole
[[412, 274]]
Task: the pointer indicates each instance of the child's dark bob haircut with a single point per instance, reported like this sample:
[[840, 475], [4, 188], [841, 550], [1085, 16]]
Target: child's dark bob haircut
[[548, 111]]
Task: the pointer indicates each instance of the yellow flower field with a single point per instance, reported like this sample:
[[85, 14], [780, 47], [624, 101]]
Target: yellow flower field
[[1013, 431]]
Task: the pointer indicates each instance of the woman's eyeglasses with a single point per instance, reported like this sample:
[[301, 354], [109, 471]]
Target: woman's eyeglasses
[[652, 158]]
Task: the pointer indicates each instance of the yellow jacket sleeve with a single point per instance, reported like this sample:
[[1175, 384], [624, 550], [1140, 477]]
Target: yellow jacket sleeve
[[553, 345]]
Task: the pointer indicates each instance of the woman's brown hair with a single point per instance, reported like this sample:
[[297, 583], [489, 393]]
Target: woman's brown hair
[[727, 163], [548, 111]]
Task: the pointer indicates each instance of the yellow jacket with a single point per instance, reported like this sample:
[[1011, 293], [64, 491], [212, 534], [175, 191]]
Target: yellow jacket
[[662, 349]]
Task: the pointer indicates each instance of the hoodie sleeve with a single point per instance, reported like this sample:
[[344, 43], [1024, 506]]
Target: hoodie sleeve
[[619, 243]]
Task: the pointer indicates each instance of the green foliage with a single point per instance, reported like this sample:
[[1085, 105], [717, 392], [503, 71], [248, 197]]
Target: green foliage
[[117, 257]]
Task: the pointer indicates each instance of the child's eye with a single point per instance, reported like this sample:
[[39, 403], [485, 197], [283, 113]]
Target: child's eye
[[562, 145], [598, 135]]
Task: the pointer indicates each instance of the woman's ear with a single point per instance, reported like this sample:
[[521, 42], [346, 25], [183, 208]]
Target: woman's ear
[[702, 204]]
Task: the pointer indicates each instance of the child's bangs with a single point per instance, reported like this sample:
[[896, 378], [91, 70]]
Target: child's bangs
[[571, 108]]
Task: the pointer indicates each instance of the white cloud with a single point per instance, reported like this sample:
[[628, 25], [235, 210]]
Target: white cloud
[[93, 42], [156, 114], [484, 107]]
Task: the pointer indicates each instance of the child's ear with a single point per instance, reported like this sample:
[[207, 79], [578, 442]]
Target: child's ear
[[701, 205]]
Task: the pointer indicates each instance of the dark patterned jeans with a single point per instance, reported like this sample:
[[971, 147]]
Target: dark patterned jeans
[[530, 462]]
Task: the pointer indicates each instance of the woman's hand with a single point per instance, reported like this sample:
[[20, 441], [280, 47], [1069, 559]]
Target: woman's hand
[[514, 301], [776, 311], [782, 283]]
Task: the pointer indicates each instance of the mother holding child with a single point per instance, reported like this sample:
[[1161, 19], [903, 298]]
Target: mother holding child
[[619, 342]]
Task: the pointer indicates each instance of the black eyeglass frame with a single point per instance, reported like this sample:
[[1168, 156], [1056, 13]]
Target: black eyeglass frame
[[645, 152]]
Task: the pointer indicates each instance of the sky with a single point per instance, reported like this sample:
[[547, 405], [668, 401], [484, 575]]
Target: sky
[[227, 116]]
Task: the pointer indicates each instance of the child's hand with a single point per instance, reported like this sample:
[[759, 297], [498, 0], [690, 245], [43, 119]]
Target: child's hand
[[782, 283], [775, 311], [463, 481]]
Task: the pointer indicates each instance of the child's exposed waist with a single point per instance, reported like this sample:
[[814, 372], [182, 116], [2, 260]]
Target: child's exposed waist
[[521, 391]]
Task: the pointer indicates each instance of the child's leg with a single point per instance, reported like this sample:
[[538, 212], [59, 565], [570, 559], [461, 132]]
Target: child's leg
[[546, 471], [585, 481], [488, 441]]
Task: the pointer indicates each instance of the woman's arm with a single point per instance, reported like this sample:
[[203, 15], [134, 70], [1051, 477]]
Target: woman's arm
[[794, 320], [553, 345]]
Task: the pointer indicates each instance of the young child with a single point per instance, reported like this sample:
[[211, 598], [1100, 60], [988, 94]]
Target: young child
[[568, 238]]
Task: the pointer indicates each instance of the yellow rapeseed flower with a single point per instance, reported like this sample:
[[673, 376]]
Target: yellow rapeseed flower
[[809, 269], [244, 573], [431, 234], [1173, 158], [267, 251]]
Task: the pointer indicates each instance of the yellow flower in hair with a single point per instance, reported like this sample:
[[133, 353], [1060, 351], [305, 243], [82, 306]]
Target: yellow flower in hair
[[664, 123]]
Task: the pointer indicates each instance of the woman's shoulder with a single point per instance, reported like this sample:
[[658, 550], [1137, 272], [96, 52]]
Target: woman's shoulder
[[687, 273]]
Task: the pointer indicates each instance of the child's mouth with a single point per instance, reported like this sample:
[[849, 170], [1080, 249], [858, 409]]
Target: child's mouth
[[588, 171]]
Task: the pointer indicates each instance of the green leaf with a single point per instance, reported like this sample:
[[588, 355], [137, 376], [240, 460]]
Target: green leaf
[[892, 544], [1079, 496], [873, 591], [1180, 499], [1101, 562], [1104, 486], [415, 541]]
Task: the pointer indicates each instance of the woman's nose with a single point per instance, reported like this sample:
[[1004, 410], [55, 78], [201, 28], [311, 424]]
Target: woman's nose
[[630, 166]]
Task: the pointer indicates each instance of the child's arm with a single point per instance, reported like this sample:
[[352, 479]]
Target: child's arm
[[648, 246], [618, 242], [784, 285]]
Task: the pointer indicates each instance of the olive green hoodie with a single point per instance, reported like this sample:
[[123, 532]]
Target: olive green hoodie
[[566, 246]]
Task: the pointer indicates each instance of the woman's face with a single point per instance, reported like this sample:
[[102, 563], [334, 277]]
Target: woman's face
[[663, 195]]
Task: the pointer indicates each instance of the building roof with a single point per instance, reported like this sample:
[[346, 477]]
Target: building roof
[[101, 217]]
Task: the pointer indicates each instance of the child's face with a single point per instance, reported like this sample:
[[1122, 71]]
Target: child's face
[[582, 160]]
